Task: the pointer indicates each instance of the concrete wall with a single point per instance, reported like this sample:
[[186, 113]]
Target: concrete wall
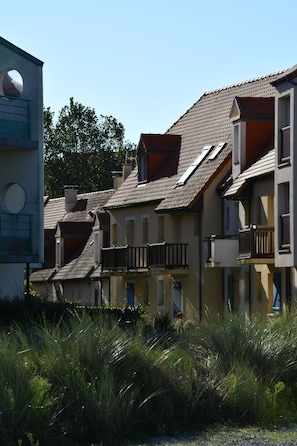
[[21, 165]]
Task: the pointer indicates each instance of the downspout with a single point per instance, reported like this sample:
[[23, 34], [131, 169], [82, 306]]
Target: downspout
[[223, 270], [200, 268], [288, 290], [250, 291], [250, 267], [109, 288], [223, 291], [27, 289]]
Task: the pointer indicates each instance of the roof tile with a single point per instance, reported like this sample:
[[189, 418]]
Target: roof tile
[[206, 122]]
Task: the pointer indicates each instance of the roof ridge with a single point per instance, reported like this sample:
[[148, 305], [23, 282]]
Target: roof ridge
[[228, 87], [78, 195], [249, 81], [95, 192]]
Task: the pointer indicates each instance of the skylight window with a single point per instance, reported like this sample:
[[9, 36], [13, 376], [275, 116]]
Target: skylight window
[[186, 175], [216, 151]]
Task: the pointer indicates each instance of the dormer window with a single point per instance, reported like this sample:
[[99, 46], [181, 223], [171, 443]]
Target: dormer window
[[59, 252], [157, 156], [253, 130], [236, 144], [98, 238]]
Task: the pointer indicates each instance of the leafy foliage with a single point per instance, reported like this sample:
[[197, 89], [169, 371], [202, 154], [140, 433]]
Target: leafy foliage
[[82, 149]]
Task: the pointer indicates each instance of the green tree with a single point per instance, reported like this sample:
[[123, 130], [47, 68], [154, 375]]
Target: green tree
[[82, 149]]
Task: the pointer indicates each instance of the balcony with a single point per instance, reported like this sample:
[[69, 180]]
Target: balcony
[[155, 255], [256, 244], [15, 123], [15, 237], [221, 252]]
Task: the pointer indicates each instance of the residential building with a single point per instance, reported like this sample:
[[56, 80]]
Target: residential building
[[75, 229], [174, 244], [205, 222], [21, 167]]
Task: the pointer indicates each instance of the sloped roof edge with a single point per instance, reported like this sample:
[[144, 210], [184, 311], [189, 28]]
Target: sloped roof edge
[[263, 167], [227, 88], [286, 75], [19, 51]]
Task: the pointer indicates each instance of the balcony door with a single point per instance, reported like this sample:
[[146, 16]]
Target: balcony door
[[177, 297], [130, 294], [277, 301]]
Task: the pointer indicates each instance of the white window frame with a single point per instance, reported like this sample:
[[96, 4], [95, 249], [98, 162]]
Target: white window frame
[[197, 161], [217, 150]]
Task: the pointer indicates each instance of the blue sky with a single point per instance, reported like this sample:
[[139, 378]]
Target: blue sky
[[147, 62]]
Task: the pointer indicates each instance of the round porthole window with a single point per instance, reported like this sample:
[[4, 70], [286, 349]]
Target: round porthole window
[[11, 84], [12, 198]]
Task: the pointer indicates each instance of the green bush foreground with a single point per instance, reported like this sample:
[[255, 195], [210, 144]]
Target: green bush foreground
[[88, 380]]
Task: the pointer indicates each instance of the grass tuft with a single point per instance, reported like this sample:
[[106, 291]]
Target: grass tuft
[[90, 380]]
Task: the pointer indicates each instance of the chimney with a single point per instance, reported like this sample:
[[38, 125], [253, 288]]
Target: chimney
[[120, 176], [127, 169], [70, 197], [117, 177]]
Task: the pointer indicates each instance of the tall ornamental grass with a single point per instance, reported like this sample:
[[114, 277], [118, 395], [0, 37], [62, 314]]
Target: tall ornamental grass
[[89, 381], [253, 365]]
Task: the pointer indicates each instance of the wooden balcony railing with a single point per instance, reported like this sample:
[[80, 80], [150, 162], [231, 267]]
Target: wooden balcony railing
[[158, 255], [256, 242], [167, 255]]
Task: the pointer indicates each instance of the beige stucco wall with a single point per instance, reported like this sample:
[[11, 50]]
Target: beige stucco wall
[[201, 288], [212, 282], [178, 228]]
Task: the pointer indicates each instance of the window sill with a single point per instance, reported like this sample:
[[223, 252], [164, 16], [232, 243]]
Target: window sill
[[284, 162], [284, 250]]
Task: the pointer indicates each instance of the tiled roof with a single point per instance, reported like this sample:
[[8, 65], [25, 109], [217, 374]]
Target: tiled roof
[[77, 222], [86, 205], [263, 166], [255, 108], [81, 267], [42, 275], [206, 122], [54, 210]]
